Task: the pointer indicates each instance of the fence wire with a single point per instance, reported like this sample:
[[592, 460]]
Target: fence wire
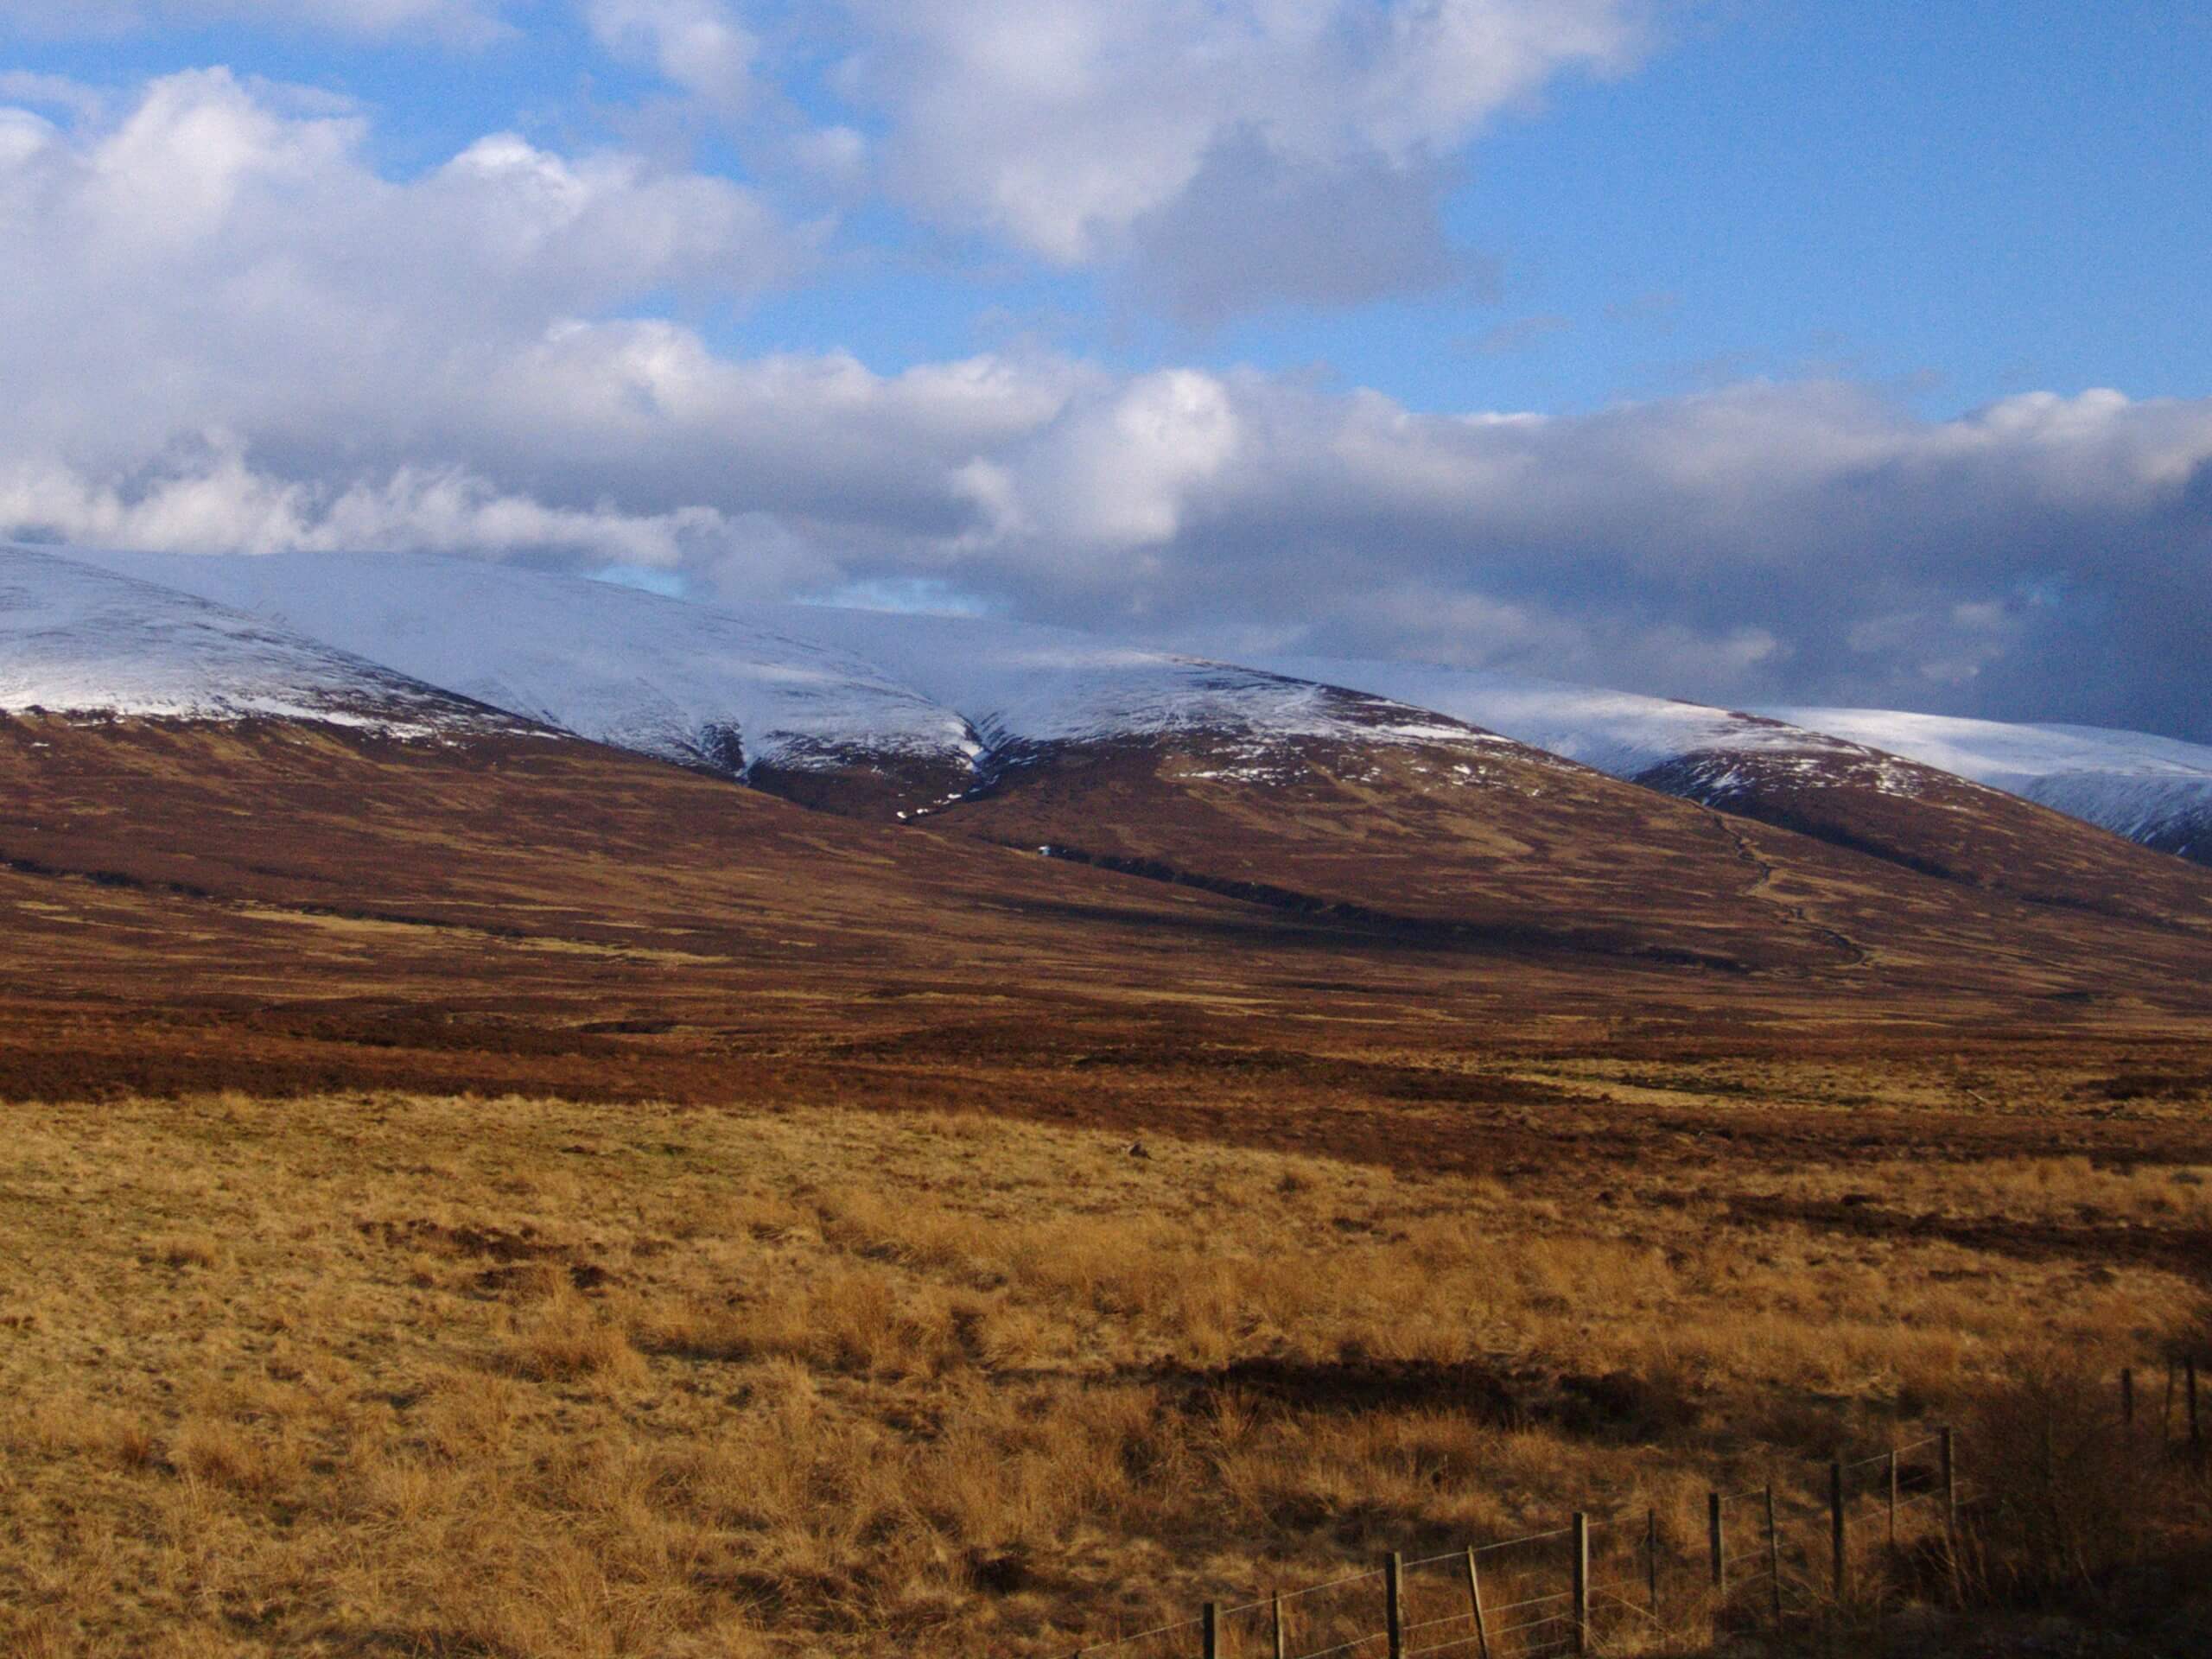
[[1793, 1555]]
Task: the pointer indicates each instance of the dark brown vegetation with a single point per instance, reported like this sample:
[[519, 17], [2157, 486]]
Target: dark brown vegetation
[[1936, 824]]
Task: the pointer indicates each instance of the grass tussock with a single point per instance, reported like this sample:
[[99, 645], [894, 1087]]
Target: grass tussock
[[566, 1339], [525, 1378]]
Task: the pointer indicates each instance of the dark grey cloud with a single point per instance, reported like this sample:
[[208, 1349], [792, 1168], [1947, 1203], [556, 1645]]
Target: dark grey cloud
[[1255, 229]]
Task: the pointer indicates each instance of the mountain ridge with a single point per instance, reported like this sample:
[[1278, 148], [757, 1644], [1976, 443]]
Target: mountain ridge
[[1139, 759]]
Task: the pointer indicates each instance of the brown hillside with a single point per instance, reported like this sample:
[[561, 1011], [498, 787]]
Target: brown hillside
[[1941, 825]]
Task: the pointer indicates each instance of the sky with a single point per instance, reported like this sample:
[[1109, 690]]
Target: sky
[[1751, 351]]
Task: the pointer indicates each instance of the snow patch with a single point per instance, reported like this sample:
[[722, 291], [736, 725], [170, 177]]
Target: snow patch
[[678, 681], [83, 641], [2143, 787]]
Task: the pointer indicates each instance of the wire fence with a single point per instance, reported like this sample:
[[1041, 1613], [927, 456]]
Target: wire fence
[[1634, 1581]]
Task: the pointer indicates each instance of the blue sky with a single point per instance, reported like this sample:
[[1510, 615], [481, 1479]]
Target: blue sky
[[1169, 317]]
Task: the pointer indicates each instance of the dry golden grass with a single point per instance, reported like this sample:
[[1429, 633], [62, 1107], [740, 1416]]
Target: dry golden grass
[[373, 1374], [2070, 1189]]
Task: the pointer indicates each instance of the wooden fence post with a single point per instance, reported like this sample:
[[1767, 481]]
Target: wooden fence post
[[1394, 1612], [1835, 1528], [1950, 1477], [1894, 1498], [1715, 1543], [1475, 1598], [1651, 1560], [1277, 1599], [1773, 1556], [1209, 1626], [1950, 1466], [1581, 1582]]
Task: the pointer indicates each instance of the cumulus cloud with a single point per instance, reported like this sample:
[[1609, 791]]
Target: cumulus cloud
[[1253, 229], [1114, 471], [23, 88], [220, 327], [214, 501], [1101, 129], [698, 45], [214, 259], [1220, 156]]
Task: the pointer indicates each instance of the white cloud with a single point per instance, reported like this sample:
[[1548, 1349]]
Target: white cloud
[[211, 260], [21, 86], [1067, 125], [1222, 155], [698, 45], [216, 502], [1114, 471]]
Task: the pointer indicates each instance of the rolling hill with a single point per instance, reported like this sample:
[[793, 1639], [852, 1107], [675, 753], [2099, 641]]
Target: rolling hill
[[1358, 823], [1972, 823], [681, 683], [2153, 789]]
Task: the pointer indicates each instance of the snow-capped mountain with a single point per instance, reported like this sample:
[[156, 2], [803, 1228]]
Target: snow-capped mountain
[[1020, 685], [1704, 752], [1941, 796], [1314, 799], [888, 713], [685, 683], [2157, 790], [781, 695], [2154, 790], [78, 639]]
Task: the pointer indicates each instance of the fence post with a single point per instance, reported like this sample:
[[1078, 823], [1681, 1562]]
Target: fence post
[[1835, 1528], [1211, 1625], [1651, 1560], [1893, 1497], [1475, 1596], [1581, 1582], [1715, 1544], [1277, 1599], [2196, 1423], [1773, 1556], [1951, 1513], [1950, 1477], [2128, 1395], [1394, 1613]]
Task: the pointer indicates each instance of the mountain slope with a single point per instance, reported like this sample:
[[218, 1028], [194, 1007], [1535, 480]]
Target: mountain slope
[[1617, 732], [1022, 687], [1284, 787], [1838, 785], [2154, 790], [684, 683], [76, 639], [1319, 798], [1308, 798]]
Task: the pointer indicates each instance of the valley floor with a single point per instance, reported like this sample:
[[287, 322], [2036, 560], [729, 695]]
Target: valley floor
[[356, 1372]]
